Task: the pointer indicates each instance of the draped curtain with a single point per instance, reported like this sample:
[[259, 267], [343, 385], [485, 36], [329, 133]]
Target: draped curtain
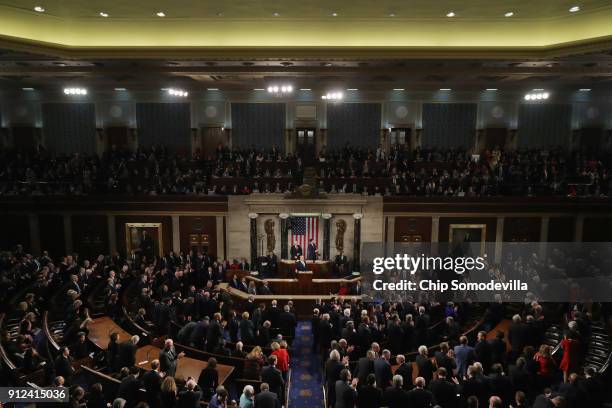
[[356, 123], [69, 127], [167, 124], [541, 125], [258, 124], [449, 125]]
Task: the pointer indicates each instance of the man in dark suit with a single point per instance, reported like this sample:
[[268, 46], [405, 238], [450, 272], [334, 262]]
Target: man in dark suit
[[287, 322], [129, 388], [266, 399], [300, 265], [213, 333], [168, 358], [395, 396], [517, 336], [151, 382], [190, 396], [296, 251], [63, 365], [346, 394], [369, 396], [424, 364], [272, 375], [127, 352], [419, 397], [382, 370], [444, 392], [341, 262], [405, 370], [483, 351], [313, 251], [365, 366]]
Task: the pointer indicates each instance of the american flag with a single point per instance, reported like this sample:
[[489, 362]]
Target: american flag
[[303, 229]]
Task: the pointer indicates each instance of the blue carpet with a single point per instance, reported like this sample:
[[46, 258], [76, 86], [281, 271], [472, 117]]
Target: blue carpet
[[306, 381]]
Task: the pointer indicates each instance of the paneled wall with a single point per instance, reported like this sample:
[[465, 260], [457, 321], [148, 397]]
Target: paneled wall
[[490, 223], [561, 229], [412, 229], [89, 235], [52, 236], [597, 229], [522, 229], [199, 233], [120, 225]]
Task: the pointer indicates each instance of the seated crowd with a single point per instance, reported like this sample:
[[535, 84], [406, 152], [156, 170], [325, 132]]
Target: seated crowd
[[399, 171], [175, 298]]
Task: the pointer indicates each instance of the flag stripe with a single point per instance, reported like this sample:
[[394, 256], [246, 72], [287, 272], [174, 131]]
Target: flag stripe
[[303, 230]]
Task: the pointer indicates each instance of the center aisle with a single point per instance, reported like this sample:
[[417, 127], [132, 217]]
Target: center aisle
[[306, 382]]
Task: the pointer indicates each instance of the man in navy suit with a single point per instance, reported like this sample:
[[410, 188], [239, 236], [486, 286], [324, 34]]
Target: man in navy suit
[[300, 265], [312, 250], [296, 251]]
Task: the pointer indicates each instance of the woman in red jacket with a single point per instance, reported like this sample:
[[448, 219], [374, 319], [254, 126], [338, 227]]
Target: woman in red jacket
[[571, 350], [547, 365], [282, 357]]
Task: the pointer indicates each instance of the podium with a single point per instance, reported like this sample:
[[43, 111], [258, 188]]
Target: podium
[[319, 269]]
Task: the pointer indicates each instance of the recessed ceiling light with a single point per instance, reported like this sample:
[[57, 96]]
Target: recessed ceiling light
[[352, 89], [450, 14], [334, 14], [39, 9], [574, 9], [161, 14], [276, 14], [212, 89], [219, 14], [103, 14], [398, 89], [585, 89], [258, 89], [27, 89], [120, 89], [391, 14], [305, 89], [445, 89], [509, 14], [491, 89], [538, 89]]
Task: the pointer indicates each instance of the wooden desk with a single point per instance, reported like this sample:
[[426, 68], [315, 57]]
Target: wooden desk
[[100, 330], [320, 269], [186, 367]]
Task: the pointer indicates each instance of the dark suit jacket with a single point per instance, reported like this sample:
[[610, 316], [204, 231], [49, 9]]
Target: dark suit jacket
[[396, 397], [365, 366], [296, 252], [189, 399], [369, 397], [444, 393], [419, 398], [405, 370], [346, 396], [274, 378], [168, 361], [301, 266], [382, 369], [152, 384], [127, 354], [267, 399], [63, 367], [129, 390]]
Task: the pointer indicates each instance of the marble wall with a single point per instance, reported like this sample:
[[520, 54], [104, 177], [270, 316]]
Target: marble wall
[[269, 206]]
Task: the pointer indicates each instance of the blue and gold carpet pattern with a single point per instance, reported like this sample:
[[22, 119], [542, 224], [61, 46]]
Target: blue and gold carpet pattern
[[306, 380]]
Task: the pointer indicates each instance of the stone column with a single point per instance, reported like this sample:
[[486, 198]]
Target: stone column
[[112, 235], [326, 235], [34, 234], [357, 243], [253, 218], [544, 235], [176, 234], [284, 235], [499, 238], [579, 228], [220, 237]]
